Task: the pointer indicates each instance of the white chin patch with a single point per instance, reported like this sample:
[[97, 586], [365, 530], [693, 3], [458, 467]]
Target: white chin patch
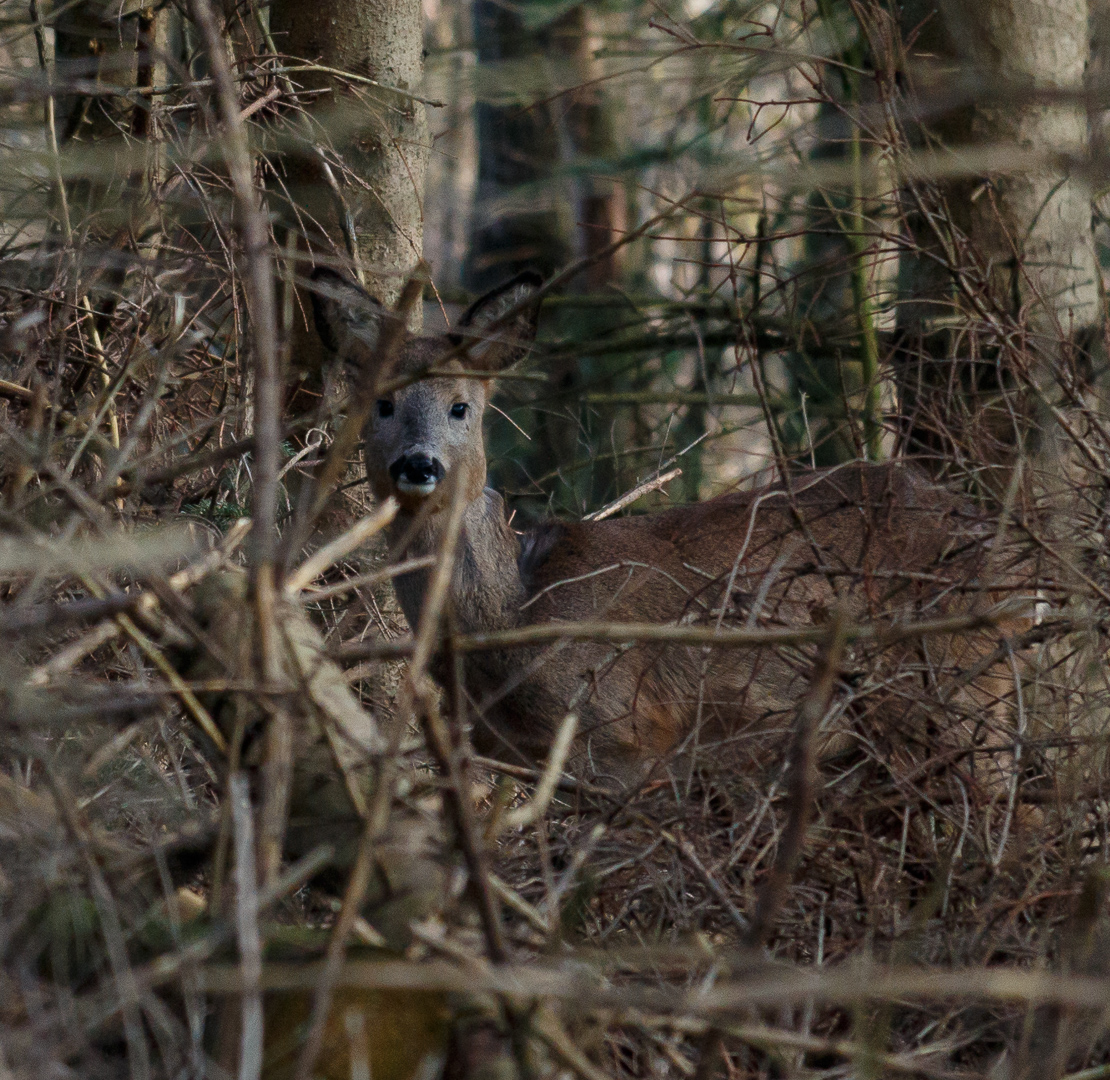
[[416, 489]]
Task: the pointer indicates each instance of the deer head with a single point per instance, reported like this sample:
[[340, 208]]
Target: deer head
[[426, 431]]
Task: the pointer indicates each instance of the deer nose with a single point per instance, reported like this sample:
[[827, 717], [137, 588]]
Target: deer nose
[[416, 473]]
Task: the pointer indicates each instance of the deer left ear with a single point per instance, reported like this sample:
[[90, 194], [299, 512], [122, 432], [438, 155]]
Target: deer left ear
[[346, 315], [509, 341]]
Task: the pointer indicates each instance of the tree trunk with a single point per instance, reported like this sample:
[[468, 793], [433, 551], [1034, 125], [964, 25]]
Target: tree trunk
[[1004, 311], [380, 137], [518, 150], [541, 205], [1007, 259]]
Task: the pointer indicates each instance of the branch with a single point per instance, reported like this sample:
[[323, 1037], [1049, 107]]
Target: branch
[[631, 632]]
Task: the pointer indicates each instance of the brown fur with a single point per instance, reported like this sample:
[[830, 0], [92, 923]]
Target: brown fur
[[843, 536], [867, 523]]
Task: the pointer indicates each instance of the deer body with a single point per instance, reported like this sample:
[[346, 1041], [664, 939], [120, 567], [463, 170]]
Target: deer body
[[677, 566], [781, 556]]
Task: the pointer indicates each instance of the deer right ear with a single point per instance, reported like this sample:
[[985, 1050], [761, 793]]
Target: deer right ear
[[346, 315], [509, 341]]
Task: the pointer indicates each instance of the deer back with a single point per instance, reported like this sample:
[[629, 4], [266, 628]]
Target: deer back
[[879, 541]]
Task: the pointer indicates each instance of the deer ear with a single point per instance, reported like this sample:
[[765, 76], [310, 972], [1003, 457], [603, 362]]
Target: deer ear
[[346, 315], [510, 341]]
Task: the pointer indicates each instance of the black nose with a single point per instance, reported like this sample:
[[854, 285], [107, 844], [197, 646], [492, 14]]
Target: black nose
[[416, 469]]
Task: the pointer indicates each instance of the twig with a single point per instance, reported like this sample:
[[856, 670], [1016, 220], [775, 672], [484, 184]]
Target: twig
[[258, 274], [158, 658], [364, 393], [767, 986], [536, 807], [527, 303], [549, 1028], [523, 772], [15, 392], [138, 1054], [315, 596], [246, 922], [169, 967], [339, 548], [638, 492], [448, 755], [350, 76], [514, 900], [622, 633], [1015, 764], [50, 121], [714, 886], [353, 897], [144, 603], [415, 693], [670, 397], [189, 464]]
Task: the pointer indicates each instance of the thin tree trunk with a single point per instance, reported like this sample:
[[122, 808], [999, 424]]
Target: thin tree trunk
[[598, 201], [520, 147], [821, 432], [543, 200], [518, 150], [103, 212]]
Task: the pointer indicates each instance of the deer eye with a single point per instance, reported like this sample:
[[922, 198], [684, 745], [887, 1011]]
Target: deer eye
[[385, 409], [458, 410]]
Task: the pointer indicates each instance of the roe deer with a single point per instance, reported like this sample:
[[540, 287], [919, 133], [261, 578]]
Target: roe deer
[[880, 541]]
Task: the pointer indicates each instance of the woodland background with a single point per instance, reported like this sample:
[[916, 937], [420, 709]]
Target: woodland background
[[778, 235]]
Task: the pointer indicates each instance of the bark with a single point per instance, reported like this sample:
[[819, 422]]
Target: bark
[[1025, 234], [380, 136]]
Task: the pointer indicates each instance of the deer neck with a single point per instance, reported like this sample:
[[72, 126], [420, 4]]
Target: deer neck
[[486, 588]]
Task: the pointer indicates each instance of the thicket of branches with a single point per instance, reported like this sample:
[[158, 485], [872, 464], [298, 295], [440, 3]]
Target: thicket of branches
[[239, 836]]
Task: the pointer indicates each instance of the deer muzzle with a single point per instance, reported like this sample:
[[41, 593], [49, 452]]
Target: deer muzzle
[[416, 474]]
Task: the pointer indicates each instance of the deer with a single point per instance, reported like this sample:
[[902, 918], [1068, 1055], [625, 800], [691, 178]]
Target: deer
[[871, 541]]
